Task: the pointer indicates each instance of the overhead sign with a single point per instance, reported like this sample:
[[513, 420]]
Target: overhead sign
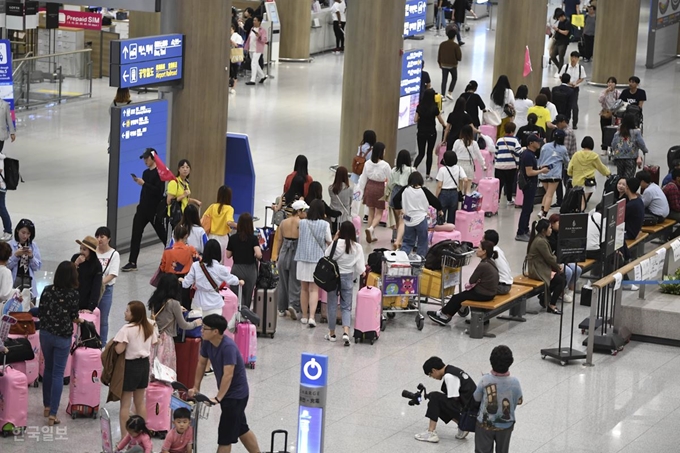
[[313, 386], [147, 61], [411, 71], [415, 17], [6, 78]]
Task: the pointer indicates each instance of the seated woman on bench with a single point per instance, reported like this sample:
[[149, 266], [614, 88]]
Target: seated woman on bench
[[541, 262], [483, 286]]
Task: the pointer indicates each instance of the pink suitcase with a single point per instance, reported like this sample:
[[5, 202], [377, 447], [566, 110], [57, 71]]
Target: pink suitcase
[[487, 129], [440, 155], [479, 169], [368, 317], [519, 197], [93, 317], [356, 221], [490, 190], [30, 368], [13, 400], [438, 236], [230, 307], [471, 226], [246, 340], [158, 416], [84, 387]]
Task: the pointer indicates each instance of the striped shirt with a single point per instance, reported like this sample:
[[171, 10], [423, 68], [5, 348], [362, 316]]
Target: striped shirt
[[508, 150]]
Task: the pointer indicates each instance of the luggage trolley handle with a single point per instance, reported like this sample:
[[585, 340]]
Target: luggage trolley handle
[[285, 441]]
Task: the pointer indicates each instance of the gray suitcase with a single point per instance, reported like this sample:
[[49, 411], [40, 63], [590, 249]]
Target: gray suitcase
[[265, 307]]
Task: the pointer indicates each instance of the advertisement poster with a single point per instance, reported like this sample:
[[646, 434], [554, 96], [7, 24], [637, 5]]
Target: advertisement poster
[[668, 13], [6, 80]]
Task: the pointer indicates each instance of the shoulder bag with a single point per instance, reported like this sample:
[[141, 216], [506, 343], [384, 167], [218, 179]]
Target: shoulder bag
[[209, 277], [359, 161]]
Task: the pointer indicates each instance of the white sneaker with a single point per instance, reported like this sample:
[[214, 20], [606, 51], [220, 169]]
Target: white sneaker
[[461, 434], [311, 322], [6, 237], [232, 91], [568, 296], [331, 338], [304, 320], [293, 313], [449, 95], [282, 313], [428, 436], [625, 287]]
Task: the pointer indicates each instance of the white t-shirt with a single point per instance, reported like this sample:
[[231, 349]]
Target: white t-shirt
[[452, 385], [6, 284], [339, 8], [444, 176], [110, 262], [576, 72], [3, 186], [595, 231], [521, 108], [237, 39], [137, 347], [504, 273], [348, 263], [552, 109]]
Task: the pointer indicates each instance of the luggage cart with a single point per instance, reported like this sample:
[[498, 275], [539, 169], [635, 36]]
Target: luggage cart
[[399, 282], [450, 278], [199, 406]]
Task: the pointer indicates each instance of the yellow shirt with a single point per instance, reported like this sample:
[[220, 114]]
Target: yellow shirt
[[582, 166], [543, 115], [176, 188], [218, 220]]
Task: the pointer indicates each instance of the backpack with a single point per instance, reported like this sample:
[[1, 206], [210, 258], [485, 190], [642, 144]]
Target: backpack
[[573, 201], [359, 161], [267, 276], [375, 260], [611, 182], [11, 175], [89, 338], [327, 272], [433, 259]]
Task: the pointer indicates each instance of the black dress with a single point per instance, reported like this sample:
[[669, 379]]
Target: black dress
[[89, 281]]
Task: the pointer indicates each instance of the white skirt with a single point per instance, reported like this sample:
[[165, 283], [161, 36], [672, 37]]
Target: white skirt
[[305, 271]]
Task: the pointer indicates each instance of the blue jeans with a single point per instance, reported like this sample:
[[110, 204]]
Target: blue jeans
[[440, 19], [6, 221], [449, 200], [342, 297], [105, 309], [415, 237], [527, 209], [569, 274], [55, 350], [459, 26]]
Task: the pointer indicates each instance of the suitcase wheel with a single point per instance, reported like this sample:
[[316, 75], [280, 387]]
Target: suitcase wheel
[[74, 415], [271, 335], [391, 315], [35, 384]]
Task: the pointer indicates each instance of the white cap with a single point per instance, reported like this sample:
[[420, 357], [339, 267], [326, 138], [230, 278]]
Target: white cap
[[300, 205]]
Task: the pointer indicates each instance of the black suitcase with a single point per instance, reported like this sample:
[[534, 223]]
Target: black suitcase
[[285, 441]]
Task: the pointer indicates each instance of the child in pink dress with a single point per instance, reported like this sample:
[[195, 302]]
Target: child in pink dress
[[138, 439]]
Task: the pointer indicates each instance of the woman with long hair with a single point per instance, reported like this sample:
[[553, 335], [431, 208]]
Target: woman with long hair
[[609, 100], [365, 150], [426, 114], [555, 157], [315, 235], [522, 105], [220, 217], [541, 263], [482, 286], [166, 310], [473, 102], [299, 169], [372, 186], [350, 259], [626, 147], [398, 180], [244, 249], [455, 122], [502, 96], [135, 340], [469, 155], [448, 184], [179, 192], [316, 193], [89, 274], [284, 254], [341, 193], [192, 222]]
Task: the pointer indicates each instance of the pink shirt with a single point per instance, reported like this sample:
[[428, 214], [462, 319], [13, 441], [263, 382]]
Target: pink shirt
[[137, 346], [177, 443], [143, 440]]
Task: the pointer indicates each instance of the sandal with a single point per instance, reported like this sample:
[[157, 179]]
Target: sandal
[[53, 420], [46, 412]]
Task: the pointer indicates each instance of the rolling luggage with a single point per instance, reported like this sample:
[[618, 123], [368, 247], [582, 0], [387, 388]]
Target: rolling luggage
[[246, 338], [285, 441], [187, 360], [356, 221], [440, 155], [230, 307], [608, 135], [519, 197], [84, 386], [266, 308], [158, 415], [438, 236], [471, 226], [490, 190], [196, 331], [368, 315], [655, 171], [31, 367], [489, 130], [94, 317], [13, 399]]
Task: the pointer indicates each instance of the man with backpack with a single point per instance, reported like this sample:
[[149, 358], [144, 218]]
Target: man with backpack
[[577, 76]]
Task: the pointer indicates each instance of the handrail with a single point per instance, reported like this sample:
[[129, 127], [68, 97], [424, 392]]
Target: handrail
[[609, 279], [60, 54], [21, 64]]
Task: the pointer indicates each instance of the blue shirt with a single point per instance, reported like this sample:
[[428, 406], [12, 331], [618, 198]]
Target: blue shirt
[[227, 353], [499, 396], [555, 155], [571, 7], [528, 160], [667, 179]]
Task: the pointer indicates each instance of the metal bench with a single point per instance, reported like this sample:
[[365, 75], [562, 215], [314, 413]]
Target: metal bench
[[480, 312]]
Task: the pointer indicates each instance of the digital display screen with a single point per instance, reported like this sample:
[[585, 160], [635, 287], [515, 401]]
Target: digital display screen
[[310, 427], [407, 110]]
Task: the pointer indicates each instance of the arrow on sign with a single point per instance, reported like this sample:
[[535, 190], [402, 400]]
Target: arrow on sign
[[125, 75], [125, 51]]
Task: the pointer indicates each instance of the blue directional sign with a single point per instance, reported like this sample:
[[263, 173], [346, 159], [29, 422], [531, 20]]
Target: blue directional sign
[[154, 60], [415, 17], [314, 370], [411, 71]]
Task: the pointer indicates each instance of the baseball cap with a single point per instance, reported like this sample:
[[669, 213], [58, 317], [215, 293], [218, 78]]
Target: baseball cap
[[300, 205], [559, 133], [149, 152], [534, 138]]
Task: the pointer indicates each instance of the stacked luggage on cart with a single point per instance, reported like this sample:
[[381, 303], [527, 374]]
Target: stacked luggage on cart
[[442, 274]]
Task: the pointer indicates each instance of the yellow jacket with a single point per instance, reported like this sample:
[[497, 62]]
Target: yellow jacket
[[218, 220], [582, 166]]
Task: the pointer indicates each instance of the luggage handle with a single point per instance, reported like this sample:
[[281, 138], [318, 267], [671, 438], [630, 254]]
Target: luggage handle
[[285, 440]]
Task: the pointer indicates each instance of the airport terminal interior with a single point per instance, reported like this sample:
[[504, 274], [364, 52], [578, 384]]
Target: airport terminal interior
[[626, 403]]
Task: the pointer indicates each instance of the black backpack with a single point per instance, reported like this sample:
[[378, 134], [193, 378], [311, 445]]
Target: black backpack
[[88, 338], [327, 273], [574, 200], [375, 259], [268, 275], [433, 259], [11, 175]]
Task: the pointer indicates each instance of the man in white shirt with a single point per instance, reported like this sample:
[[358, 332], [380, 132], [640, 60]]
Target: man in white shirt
[[504, 273], [339, 19], [653, 197], [578, 76]]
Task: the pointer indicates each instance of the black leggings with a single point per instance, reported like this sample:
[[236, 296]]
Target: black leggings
[[338, 28], [507, 179], [429, 140], [604, 122], [456, 301], [557, 285]]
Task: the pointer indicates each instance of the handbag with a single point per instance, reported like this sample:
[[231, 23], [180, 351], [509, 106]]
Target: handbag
[[155, 278], [237, 55], [491, 118], [606, 113], [590, 182], [206, 223], [24, 325], [327, 272], [509, 110]]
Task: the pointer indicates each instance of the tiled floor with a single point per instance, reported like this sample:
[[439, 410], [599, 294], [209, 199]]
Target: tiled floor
[[627, 403]]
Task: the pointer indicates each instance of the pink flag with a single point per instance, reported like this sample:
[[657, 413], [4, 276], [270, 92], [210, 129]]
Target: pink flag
[[527, 62]]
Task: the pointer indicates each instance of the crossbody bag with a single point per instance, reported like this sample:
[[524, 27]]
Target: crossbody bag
[[460, 194], [209, 277]]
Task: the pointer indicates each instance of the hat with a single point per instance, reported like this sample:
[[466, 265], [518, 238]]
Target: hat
[[89, 242], [149, 152], [559, 133], [300, 205], [534, 138]]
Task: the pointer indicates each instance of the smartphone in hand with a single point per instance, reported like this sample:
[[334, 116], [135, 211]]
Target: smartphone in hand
[[134, 176]]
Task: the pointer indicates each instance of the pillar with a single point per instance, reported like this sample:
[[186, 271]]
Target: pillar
[[144, 24], [616, 38], [520, 23], [371, 75], [199, 109], [296, 23]]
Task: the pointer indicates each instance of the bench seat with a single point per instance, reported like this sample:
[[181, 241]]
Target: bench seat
[[526, 281], [637, 246], [659, 227], [587, 265], [515, 301]]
